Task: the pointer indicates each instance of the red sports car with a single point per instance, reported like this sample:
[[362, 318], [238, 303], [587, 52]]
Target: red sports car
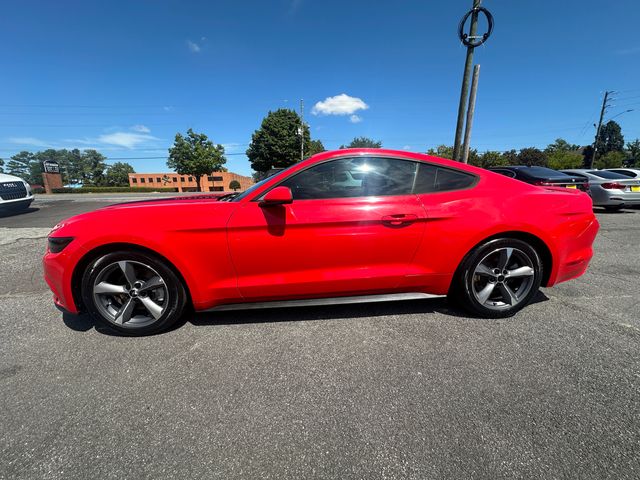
[[344, 226]]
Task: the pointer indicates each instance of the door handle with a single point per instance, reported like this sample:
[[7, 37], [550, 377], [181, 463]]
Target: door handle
[[399, 219]]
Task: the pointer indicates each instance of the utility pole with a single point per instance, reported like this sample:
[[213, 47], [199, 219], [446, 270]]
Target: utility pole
[[464, 92], [301, 129], [595, 141], [470, 111]]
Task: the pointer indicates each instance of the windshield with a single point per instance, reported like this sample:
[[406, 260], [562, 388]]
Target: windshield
[[254, 187]]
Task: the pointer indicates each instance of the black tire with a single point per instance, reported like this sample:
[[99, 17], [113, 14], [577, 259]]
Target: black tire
[[467, 282], [614, 208], [167, 300]]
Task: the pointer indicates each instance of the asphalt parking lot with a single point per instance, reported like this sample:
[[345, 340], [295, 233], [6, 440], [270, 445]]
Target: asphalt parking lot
[[400, 390]]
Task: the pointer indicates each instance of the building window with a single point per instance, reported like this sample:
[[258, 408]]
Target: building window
[[142, 180], [191, 179], [150, 180], [134, 180], [218, 189], [210, 179], [216, 179], [182, 179], [175, 179], [158, 179]]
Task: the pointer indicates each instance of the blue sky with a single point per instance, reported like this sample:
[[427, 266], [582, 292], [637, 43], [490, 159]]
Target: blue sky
[[124, 76]]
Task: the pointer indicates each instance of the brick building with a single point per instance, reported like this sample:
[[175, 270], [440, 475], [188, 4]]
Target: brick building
[[216, 182]]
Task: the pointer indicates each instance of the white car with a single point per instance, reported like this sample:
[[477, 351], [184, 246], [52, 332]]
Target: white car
[[627, 172], [15, 193]]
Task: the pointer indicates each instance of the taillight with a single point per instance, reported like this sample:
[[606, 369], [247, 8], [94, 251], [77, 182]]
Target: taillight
[[540, 183], [613, 186]]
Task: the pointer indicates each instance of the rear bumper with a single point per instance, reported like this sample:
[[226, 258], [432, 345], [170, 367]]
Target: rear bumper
[[574, 250]]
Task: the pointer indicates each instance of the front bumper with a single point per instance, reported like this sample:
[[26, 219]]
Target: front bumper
[[18, 204], [58, 275]]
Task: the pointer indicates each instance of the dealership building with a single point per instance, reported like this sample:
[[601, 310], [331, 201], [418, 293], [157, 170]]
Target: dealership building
[[215, 182]]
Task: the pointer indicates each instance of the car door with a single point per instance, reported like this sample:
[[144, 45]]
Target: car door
[[337, 237]]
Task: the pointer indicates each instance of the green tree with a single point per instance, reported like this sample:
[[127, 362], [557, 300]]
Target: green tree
[[560, 145], [234, 185], [1, 165], [195, 155], [610, 138], [93, 167], [532, 156], [510, 157], [442, 151], [363, 142], [613, 159], [315, 146], [118, 175], [633, 153], [560, 160], [276, 144], [20, 166], [488, 159]]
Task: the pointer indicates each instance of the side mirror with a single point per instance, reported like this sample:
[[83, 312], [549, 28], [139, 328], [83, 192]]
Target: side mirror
[[277, 196]]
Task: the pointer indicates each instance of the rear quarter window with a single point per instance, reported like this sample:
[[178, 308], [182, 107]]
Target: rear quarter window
[[432, 178]]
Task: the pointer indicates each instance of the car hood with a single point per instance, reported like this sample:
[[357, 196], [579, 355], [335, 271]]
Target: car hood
[[153, 215], [161, 202], [9, 178]]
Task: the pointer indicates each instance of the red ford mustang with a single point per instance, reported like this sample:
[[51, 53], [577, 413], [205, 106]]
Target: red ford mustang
[[343, 226]]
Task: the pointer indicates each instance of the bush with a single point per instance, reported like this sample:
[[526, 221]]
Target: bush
[[613, 159], [111, 190]]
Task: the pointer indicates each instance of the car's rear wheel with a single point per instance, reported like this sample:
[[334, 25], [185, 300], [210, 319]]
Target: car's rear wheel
[[498, 278], [133, 293]]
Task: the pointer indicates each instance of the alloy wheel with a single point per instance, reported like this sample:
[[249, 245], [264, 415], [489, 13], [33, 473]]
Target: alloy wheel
[[503, 278], [130, 294]]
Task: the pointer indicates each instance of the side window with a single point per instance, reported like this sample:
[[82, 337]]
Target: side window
[[353, 177], [432, 178]]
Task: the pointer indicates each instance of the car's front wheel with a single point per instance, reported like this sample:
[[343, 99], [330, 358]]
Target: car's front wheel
[[498, 278], [133, 293]]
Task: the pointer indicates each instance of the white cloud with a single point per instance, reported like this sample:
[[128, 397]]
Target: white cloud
[[234, 147], [125, 139], [355, 118], [406, 147], [341, 104], [36, 142], [140, 128], [194, 47]]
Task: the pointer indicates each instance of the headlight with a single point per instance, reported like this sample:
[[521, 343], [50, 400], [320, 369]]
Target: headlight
[[28, 187], [57, 244]]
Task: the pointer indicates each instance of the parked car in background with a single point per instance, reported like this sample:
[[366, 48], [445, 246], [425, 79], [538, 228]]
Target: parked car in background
[[627, 172], [15, 193], [414, 227], [609, 189], [543, 177]]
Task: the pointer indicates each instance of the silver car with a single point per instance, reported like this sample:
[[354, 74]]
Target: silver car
[[610, 190]]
